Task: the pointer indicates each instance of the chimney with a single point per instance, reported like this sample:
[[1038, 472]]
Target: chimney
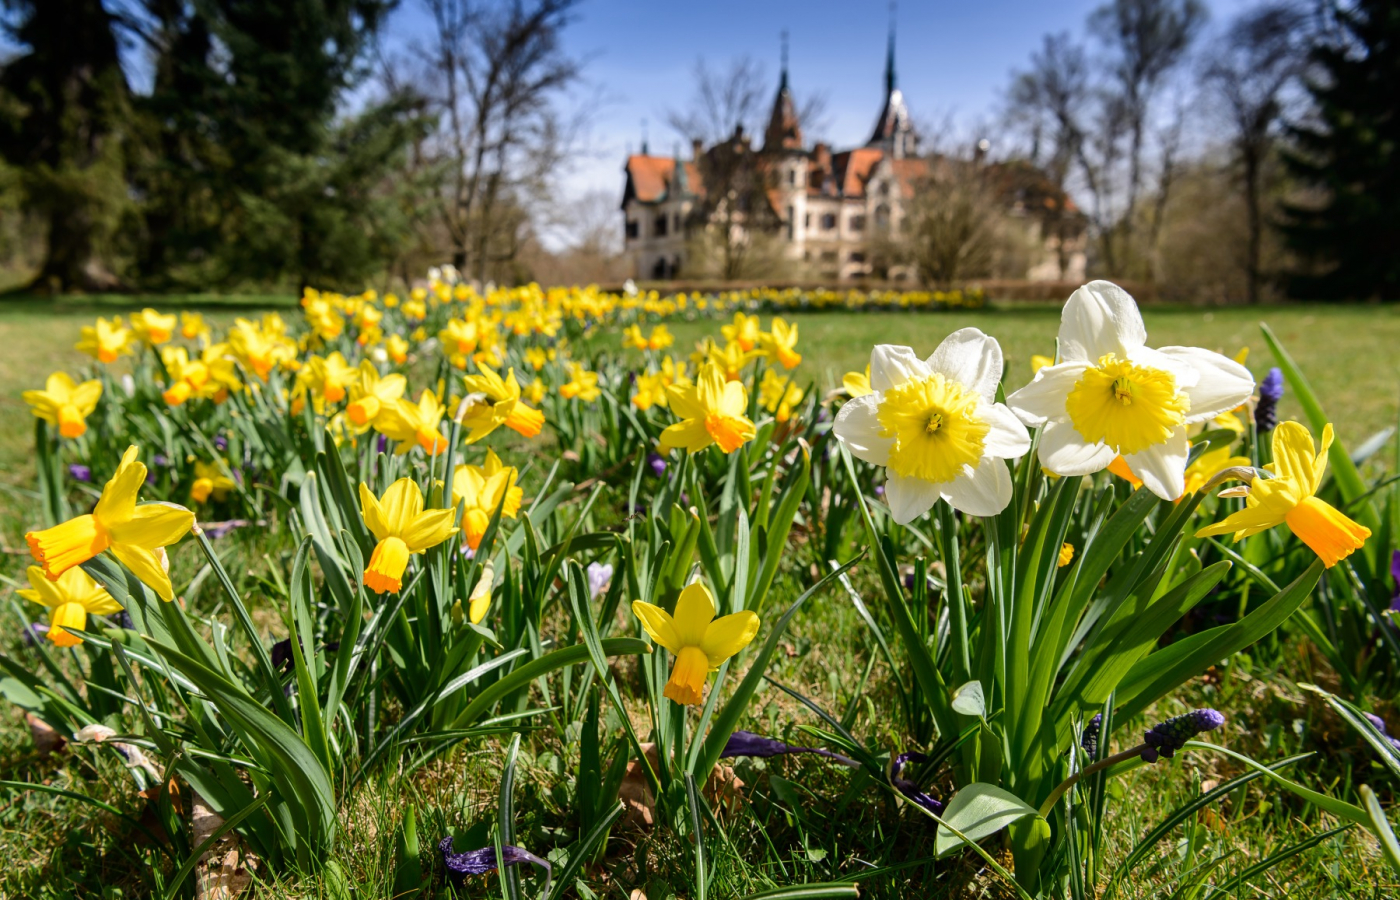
[[823, 155], [696, 148]]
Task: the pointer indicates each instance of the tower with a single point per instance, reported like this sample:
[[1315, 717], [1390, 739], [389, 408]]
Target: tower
[[893, 133]]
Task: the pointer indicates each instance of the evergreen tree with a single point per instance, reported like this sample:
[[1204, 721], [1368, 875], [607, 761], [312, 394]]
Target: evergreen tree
[[1350, 157]]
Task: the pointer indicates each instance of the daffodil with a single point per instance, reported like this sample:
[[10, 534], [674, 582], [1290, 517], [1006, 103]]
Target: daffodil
[[397, 348], [780, 344], [1111, 395], [536, 357], [698, 641], [1119, 467], [497, 402], [1039, 362], [261, 347], [936, 427], [65, 403], [104, 341], [327, 377], [856, 384], [152, 327], [210, 481], [402, 527], [712, 411], [69, 599], [582, 384], [1066, 555], [192, 326], [731, 358], [1290, 498], [482, 489], [413, 424], [778, 394], [633, 339], [479, 601], [459, 338], [660, 338], [134, 534], [371, 394], [744, 331]]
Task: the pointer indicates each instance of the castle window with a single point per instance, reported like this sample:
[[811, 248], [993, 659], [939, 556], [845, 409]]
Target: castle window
[[676, 223], [807, 221], [857, 223], [792, 176], [828, 221], [857, 257], [659, 227], [633, 229], [791, 223]]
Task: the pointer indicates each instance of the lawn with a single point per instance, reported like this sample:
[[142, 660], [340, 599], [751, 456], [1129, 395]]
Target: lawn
[[802, 820]]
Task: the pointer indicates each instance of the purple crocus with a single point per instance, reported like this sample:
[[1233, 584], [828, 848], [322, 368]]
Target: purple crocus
[[382, 445], [908, 788], [160, 460], [746, 743], [657, 463], [1270, 392], [220, 443], [479, 862], [80, 472], [1165, 738], [1379, 724]]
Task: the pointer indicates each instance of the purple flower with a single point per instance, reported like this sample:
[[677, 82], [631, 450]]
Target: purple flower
[[216, 530], [908, 788], [1165, 738], [1379, 724], [220, 443], [479, 862], [879, 490], [1089, 740], [1395, 574], [1270, 392], [160, 460], [80, 472], [35, 633], [657, 464], [598, 577], [746, 743], [383, 444]]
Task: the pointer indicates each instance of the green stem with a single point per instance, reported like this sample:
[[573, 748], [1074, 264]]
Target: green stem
[[1072, 780]]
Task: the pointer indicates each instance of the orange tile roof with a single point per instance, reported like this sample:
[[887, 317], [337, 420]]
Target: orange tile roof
[[649, 177]]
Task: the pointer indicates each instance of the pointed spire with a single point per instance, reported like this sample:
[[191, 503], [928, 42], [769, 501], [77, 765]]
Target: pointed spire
[[889, 56], [783, 80], [784, 131], [644, 137]]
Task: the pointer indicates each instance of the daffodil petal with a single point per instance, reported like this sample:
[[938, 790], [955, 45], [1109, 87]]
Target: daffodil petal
[[728, 635], [694, 610], [401, 503], [891, 365], [1162, 467], [1295, 455], [1064, 451], [153, 525], [1007, 437], [657, 623], [146, 566], [859, 427], [972, 359], [909, 498], [983, 491], [1100, 318], [118, 500], [1044, 398], [429, 529], [1223, 383]]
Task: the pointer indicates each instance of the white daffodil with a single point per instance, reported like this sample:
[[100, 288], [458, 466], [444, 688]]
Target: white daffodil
[[1111, 395], [936, 427]]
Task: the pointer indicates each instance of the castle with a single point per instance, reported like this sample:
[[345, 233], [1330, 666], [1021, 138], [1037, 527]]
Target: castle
[[828, 209]]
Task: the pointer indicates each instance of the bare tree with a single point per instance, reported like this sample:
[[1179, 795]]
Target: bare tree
[[724, 101], [1249, 71], [494, 73], [955, 222]]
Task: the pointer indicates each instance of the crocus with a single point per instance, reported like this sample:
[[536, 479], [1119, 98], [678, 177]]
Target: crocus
[[64, 403], [697, 640], [1270, 393], [599, 574], [1291, 499], [746, 743], [711, 411], [1165, 738], [69, 599], [483, 489], [908, 788], [134, 534], [936, 427], [402, 527], [1112, 395]]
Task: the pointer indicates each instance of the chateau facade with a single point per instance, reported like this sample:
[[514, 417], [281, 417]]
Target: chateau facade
[[828, 209]]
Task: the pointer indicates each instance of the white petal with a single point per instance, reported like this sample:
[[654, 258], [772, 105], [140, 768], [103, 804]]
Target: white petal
[[1187, 376], [891, 365], [1162, 467], [972, 359], [1065, 452], [857, 425], [1008, 438], [983, 491], [910, 498], [1223, 383], [1044, 397], [1100, 318]]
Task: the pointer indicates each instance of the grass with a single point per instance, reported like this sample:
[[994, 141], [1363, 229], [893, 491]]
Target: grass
[[798, 819]]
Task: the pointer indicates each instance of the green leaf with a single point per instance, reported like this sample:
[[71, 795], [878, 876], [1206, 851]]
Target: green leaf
[[814, 891], [1380, 825], [1339, 808], [978, 810]]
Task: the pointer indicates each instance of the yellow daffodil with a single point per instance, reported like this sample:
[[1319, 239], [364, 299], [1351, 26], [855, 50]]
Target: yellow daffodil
[[1066, 555], [152, 327], [1290, 498], [64, 403], [856, 384], [660, 338], [261, 348], [479, 601], [778, 394], [415, 310], [712, 411], [1209, 464], [731, 358], [69, 599], [192, 326], [633, 339], [459, 338], [582, 384], [780, 344], [484, 488], [210, 375], [413, 424], [327, 378], [744, 331], [397, 348], [698, 641], [402, 527], [497, 402], [370, 395], [1039, 362], [536, 357], [210, 481], [105, 341], [134, 534], [535, 391]]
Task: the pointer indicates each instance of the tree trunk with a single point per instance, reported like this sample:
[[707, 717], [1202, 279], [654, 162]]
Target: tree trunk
[[70, 260], [1256, 226]]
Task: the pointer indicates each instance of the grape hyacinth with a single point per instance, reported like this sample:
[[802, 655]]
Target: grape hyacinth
[[1089, 740], [908, 788], [80, 472], [479, 862], [1165, 738], [746, 743], [1270, 392]]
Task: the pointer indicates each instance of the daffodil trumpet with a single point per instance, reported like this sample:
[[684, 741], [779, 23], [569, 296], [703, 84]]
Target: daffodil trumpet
[[402, 527]]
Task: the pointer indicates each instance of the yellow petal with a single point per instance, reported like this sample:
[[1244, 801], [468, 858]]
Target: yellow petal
[[67, 615], [153, 525], [401, 504], [430, 528], [690, 435], [386, 566], [373, 515], [728, 635], [1330, 534], [119, 496], [687, 682], [1295, 456], [658, 623], [146, 566], [694, 610]]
